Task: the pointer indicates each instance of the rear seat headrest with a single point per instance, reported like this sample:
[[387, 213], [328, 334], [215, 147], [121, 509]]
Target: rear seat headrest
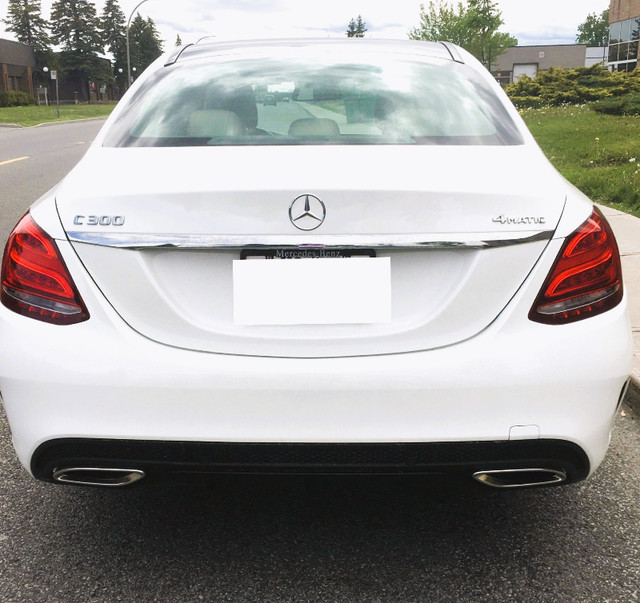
[[311, 126], [214, 122]]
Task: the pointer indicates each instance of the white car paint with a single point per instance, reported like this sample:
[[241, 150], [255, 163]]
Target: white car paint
[[161, 358]]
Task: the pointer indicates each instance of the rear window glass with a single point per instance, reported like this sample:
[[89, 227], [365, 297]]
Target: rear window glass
[[302, 101]]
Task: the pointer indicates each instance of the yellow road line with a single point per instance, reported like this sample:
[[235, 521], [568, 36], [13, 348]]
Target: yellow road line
[[14, 160]]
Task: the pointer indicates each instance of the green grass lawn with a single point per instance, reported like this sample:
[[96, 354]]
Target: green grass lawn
[[600, 154], [31, 116]]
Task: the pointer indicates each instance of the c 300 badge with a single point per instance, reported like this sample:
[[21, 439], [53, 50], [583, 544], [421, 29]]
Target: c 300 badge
[[81, 220]]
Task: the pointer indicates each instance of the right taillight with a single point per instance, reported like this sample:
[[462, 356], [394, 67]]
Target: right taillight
[[35, 280], [586, 278]]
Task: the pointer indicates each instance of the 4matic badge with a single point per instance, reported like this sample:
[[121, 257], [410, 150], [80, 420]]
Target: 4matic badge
[[502, 219]]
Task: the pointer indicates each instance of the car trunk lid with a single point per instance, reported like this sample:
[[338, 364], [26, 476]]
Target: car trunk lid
[[447, 236]]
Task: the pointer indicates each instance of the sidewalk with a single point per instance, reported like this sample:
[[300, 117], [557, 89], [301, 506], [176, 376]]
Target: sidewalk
[[627, 231]]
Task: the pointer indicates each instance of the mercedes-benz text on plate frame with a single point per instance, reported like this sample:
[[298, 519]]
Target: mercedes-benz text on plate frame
[[302, 261]]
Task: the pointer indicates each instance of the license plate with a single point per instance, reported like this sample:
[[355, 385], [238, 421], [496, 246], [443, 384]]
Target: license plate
[[312, 291]]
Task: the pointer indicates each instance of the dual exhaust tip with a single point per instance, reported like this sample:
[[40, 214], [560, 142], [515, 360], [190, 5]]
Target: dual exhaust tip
[[520, 478], [495, 478], [98, 476]]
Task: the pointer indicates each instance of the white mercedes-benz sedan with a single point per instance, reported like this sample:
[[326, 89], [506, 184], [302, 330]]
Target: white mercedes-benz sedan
[[337, 256]]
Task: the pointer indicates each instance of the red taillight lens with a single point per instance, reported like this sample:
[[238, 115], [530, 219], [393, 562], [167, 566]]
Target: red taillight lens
[[35, 279], [586, 278]]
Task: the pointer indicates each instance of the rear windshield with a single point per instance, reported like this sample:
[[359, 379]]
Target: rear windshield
[[302, 101]]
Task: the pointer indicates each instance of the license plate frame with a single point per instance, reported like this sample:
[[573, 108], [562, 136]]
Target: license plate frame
[[302, 253]]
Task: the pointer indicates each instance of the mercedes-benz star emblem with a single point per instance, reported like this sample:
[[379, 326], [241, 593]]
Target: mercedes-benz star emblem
[[307, 212]]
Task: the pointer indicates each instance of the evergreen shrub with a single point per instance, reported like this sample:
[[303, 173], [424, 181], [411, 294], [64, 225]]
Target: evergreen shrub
[[629, 104], [558, 86]]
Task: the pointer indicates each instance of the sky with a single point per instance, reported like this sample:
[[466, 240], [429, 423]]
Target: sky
[[530, 21]]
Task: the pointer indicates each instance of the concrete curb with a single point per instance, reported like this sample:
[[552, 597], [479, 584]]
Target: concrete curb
[[627, 230], [632, 399], [54, 123], [66, 121]]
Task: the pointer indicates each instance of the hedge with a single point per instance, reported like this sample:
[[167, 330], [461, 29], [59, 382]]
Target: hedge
[[629, 104], [558, 86], [15, 98]]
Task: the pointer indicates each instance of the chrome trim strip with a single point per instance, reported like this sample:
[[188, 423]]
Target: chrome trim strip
[[340, 241]]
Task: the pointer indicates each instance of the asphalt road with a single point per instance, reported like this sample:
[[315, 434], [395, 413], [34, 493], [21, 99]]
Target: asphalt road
[[32, 160], [277, 119], [304, 539]]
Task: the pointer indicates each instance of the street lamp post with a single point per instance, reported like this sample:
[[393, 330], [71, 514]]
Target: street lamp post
[[54, 76], [129, 80]]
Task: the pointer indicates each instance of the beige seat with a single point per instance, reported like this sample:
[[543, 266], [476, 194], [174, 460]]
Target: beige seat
[[241, 101], [214, 123], [312, 126]]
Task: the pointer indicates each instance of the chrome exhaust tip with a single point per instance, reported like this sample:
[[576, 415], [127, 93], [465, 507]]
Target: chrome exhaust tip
[[520, 478], [97, 476]]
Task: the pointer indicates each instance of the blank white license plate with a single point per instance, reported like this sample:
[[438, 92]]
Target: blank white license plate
[[312, 291]]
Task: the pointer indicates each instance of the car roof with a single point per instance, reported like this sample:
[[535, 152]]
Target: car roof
[[202, 49]]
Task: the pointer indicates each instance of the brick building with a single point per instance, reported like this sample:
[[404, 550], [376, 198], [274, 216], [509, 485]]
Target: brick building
[[624, 34], [16, 66]]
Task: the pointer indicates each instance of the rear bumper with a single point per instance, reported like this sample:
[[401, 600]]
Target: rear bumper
[[457, 458], [83, 393]]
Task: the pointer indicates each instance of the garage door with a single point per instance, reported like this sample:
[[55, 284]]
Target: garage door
[[530, 69]]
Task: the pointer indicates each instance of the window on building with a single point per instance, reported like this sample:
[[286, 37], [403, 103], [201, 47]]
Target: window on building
[[614, 33], [623, 44]]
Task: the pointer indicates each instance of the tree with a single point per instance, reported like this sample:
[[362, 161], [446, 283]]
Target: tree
[[484, 19], [442, 21], [25, 20], [75, 28], [178, 40], [113, 34], [357, 28], [144, 43], [473, 25], [595, 30]]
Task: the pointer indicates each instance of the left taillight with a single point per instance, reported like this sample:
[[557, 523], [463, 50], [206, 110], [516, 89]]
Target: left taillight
[[36, 281]]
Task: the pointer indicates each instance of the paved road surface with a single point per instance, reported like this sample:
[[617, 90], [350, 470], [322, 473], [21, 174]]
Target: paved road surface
[[305, 539], [32, 160]]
